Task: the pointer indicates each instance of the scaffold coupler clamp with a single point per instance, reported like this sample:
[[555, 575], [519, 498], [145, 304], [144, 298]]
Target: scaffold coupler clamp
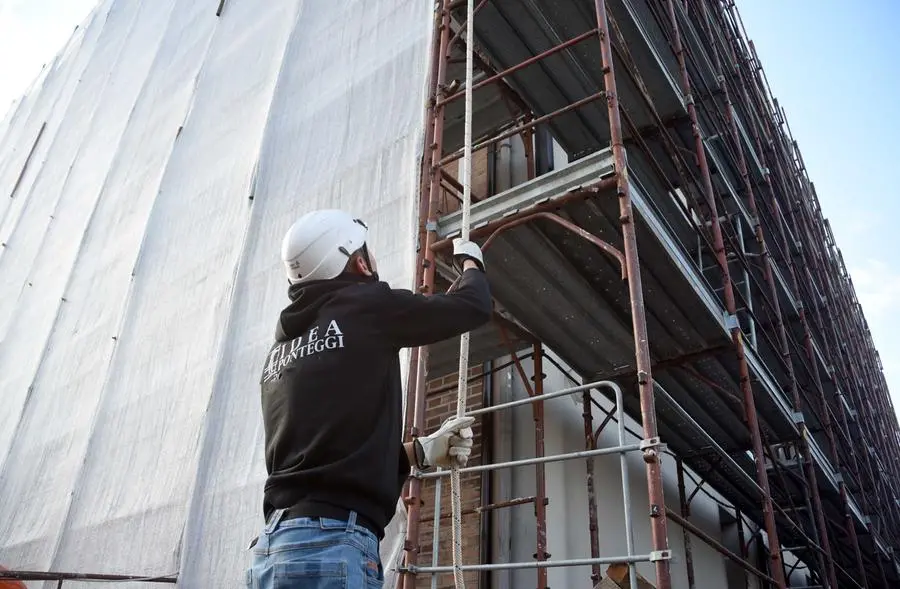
[[650, 448]]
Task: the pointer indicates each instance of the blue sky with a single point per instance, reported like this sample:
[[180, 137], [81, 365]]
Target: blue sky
[[834, 68], [832, 65]]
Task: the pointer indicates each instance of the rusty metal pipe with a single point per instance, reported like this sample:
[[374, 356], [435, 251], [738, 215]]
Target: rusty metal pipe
[[473, 378], [488, 507], [851, 527], [605, 246], [685, 514], [100, 577], [712, 543], [743, 545], [488, 228], [809, 471], [736, 334], [462, 27], [659, 532], [523, 127], [454, 183], [590, 443], [820, 516], [540, 503], [521, 65], [425, 271], [537, 408]]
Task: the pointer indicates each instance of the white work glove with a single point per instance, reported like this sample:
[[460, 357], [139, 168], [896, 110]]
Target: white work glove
[[463, 250], [453, 440]]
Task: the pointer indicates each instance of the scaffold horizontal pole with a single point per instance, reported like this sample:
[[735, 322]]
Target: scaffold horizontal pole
[[89, 577], [521, 65], [573, 562], [539, 460], [529, 400]]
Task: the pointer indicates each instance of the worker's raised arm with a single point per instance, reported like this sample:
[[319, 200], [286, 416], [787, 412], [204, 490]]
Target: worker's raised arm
[[411, 320]]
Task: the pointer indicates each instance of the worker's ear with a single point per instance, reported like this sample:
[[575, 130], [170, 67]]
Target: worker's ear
[[360, 266]]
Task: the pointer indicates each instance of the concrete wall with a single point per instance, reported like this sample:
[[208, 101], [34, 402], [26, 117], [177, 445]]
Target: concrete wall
[[514, 531]]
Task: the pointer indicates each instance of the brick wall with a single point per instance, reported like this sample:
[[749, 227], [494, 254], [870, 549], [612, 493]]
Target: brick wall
[[440, 406], [450, 203]]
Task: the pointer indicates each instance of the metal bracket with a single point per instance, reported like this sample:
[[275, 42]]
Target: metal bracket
[[731, 321], [650, 443], [798, 417], [651, 449], [431, 225], [658, 555], [839, 478]]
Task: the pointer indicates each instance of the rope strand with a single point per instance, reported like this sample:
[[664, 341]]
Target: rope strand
[[462, 384]]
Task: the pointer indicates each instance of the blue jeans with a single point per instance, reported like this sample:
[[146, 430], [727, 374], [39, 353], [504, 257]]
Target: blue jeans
[[315, 553]]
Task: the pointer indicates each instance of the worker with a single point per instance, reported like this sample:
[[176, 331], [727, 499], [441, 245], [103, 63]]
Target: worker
[[332, 404]]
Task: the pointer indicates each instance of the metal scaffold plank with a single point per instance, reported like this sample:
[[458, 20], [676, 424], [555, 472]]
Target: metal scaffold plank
[[581, 175]]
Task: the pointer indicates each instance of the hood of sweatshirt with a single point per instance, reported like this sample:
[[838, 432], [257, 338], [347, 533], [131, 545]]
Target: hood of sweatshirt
[[306, 300]]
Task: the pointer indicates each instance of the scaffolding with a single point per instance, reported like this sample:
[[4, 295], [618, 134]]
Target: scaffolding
[[762, 378]]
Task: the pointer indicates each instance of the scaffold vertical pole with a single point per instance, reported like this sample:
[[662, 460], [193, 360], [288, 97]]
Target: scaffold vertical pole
[[776, 569], [626, 488], [768, 277], [426, 269], [658, 523], [590, 443], [540, 502], [685, 513]]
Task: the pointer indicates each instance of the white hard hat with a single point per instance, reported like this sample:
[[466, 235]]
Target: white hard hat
[[318, 245]]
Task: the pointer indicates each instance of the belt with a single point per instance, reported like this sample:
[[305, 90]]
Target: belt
[[330, 512], [310, 510]]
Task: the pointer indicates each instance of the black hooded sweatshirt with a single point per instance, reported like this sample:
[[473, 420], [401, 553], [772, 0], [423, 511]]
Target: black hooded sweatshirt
[[331, 390]]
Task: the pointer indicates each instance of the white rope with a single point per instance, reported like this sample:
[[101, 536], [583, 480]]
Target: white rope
[[462, 385]]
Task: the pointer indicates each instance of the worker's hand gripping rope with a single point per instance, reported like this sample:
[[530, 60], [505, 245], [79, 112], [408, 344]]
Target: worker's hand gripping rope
[[450, 444], [466, 250]]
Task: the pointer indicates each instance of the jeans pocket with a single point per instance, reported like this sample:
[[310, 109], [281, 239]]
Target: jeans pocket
[[374, 574], [312, 574]]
